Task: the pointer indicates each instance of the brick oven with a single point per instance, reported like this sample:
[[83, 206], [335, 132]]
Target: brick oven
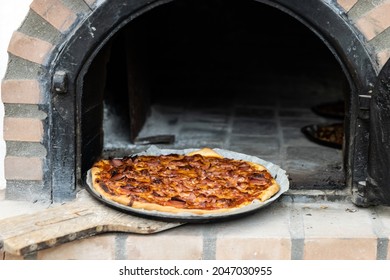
[[91, 78], [55, 84]]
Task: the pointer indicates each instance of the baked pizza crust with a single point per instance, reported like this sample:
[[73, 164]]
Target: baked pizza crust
[[207, 152]]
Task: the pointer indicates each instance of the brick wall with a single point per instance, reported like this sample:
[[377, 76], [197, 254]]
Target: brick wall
[[24, 94], [370, 18], [12, 14]]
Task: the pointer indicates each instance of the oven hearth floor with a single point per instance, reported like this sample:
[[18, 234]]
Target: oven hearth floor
[[263, 122], [286, 229]]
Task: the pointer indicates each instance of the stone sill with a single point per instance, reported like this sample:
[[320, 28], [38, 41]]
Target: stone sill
[[294, 227]]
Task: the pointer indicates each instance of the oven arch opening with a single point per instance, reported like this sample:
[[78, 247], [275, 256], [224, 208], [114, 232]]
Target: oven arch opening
[[219, 75], [78, 78]]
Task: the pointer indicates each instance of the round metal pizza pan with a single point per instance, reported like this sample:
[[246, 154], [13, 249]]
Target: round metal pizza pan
[[278, 173]]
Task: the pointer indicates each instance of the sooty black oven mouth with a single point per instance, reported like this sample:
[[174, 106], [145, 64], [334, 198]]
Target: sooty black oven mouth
[[225, 79], [236, 91]]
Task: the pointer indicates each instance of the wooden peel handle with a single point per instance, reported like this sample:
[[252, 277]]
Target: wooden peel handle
[[81, 218]]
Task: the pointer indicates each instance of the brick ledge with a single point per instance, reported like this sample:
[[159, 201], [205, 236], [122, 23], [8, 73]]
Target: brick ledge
[[283, 230]]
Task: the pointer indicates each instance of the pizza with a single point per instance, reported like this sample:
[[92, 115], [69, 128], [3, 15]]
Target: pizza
[[199, 182]]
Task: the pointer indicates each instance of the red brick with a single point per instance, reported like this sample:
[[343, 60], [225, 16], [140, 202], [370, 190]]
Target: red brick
[[21, 92], [271, 248], [23, 129], [23, 168], [375, 21], [54, 12], [340, 249], [178, 244], [30, 48], [347, 4]]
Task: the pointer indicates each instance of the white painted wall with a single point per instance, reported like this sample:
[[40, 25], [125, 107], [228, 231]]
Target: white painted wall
[[12, 14]]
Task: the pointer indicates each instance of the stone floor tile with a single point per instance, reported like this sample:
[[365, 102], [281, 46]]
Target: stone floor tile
[[216, 132], [342, 220], [255, 146], [297, 124], [256, 97], [321, 154], [383, 213], [300, 113], [254, 127], [206, 116], [293, 137], [255, 113]]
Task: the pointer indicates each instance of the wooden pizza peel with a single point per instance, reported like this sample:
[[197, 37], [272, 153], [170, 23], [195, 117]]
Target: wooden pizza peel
[[83, 217]]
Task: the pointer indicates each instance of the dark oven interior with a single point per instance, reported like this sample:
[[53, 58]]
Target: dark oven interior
[[216, 74]]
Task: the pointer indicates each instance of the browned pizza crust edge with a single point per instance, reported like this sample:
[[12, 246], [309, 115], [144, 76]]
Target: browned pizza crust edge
[[126, 201]]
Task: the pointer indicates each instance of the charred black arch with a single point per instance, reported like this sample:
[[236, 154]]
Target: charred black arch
[[377, 188]]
